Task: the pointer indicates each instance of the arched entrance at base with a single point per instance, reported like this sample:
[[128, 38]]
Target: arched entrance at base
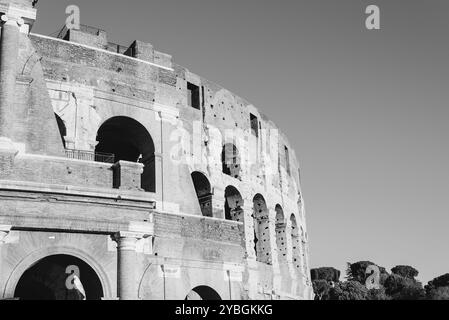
[[59, 277], [203, 293]]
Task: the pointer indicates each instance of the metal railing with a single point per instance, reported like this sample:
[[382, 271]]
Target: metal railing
[[90, 156]]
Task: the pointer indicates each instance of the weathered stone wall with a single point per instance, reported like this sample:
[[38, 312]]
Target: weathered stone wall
[[42, 192]]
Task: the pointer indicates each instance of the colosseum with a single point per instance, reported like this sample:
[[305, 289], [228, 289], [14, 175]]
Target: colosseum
[[137, 178]]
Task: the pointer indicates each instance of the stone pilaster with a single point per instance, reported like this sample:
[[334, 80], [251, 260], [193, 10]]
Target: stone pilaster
[[127, 259], [218, 204], [277, 277], [127, 175], [248, 224], [9, 51]]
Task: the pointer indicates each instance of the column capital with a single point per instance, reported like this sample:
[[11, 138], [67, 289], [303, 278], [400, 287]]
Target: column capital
[[129, 235], [136, 231], [12, 20]]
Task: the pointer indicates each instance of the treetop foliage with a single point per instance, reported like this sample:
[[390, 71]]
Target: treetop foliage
[[399, 285]]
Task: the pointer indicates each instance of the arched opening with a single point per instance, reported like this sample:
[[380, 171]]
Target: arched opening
[[231, 161], [281, 241], [59, 277], [203, 293], [262, 245], [204, 193], [233, 204], [296, 243], [129, 141], [62, 129]]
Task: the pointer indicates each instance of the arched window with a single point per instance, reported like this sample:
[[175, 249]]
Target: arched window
[[231, 160], [233, 204], [296, 243], [130, 141], [261, 230], [204, 193], [62, 129], [281, 240]]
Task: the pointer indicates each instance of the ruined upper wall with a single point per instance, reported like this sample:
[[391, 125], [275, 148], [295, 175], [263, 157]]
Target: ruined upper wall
[[222, 108], [110, 80]]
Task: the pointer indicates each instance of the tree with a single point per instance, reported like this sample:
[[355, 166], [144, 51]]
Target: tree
[[349, 290], [403, 288], [405, 271], [357, 271], [436, 288], [379, 294], [321, 289], [325, 273], [441, 293], [441, 281]]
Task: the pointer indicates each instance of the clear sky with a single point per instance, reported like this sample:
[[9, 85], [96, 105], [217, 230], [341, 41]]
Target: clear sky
[[367, 111]]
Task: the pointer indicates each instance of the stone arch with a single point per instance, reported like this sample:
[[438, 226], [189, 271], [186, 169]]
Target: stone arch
[[296, 243], [262, 244], [38, 255], [52, 278], [281, 240], [130, 141], [230, 160], [233, 204], [203, 293], [203, 191], [62, 129]]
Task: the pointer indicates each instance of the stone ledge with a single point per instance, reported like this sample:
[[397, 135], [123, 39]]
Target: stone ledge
[[114, 194]]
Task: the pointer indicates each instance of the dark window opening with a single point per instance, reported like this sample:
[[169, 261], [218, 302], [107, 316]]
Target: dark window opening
[[254, 125], [202, 97], [231, 161], [233, 204], [204, 193], [287, 160], [193, 95]]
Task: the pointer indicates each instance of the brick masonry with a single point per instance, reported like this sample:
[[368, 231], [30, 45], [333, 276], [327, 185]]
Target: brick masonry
[[56, 205]]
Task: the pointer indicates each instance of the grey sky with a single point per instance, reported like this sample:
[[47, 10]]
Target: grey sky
[[366, 110]]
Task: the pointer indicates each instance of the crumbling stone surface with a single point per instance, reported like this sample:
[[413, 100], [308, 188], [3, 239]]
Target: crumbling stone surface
[[203, 166]]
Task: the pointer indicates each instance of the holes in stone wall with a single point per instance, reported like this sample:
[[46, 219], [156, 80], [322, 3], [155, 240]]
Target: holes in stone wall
[[261, 230], [204, 193], [296, 243], [304, 251], [281, 241]]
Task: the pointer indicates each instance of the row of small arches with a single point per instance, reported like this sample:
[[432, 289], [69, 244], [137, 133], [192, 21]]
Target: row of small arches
[[233, 210]]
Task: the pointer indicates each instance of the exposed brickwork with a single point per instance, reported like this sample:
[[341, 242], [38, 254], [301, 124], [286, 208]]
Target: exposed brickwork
[[88, 82]]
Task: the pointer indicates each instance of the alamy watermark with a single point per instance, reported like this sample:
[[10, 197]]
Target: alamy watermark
[[372, 22]]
